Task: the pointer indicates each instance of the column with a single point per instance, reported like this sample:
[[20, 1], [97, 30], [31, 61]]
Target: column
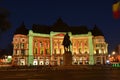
[[101, 59], [90, 42], [106, 48], [30, 55], [51, 33]]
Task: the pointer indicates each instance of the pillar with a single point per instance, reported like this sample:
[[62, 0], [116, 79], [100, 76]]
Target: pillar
[[90, 42], [51, 33], [101, 59], [30, 54]]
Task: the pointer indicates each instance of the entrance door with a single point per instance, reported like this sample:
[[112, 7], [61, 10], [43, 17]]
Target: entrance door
[[35, 62], [22, 61]]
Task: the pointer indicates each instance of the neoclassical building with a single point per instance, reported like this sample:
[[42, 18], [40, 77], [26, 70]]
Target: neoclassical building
[[42, 45]]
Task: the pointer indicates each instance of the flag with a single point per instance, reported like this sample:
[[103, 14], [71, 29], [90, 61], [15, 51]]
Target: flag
[[116, 10]]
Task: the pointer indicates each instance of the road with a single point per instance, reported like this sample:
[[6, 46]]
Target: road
[[23, 74]]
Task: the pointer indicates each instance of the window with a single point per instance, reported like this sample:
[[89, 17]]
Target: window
[[23, 52], [86, 43], [102, 45], [80, 50], [60, 51], [16, 46], [97, 51], [55, 44], [41, 52], [46, 51], [74, 44], [36, 43], [98, 45], [55, 51], [22, 45], [35, 50], [16, 52], [41, 45]]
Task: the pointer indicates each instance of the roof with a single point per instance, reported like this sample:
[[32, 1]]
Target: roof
[[60, 26], [21, 30], [96, 31]]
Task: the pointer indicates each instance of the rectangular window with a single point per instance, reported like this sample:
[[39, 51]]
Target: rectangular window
[[80, 51], [22, 45], [16, 46], [41, 45], [41, 52], [46, 51], [55, 51], [97, 51], [17, 52], [23, 52], [60, 51]]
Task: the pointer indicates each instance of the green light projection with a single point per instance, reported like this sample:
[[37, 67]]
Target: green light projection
[[31, 35], [30, 56], [51, 33], [91, 58]]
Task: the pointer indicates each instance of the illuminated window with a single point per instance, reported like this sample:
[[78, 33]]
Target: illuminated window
[[55, 44], [41, 51], [47, 44], [35, 50], [35, 43], [80, 50], [86, 51], [22, 45], [15, 51], [60, 51], [41, 44], [102, 51], [17, 46], [98, 45], [74, 44], [86, 42], [18, 52]]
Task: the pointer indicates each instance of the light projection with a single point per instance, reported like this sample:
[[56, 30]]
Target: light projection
[[47, 49]]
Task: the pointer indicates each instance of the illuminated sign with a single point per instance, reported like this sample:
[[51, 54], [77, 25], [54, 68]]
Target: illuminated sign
[[116, 65]]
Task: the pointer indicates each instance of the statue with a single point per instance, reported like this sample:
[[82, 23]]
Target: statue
[[66, 43]]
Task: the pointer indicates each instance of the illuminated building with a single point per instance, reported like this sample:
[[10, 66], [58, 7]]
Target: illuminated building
[[42, 45]]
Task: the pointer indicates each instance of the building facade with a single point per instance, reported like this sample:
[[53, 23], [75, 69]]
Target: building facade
[[42, 45]]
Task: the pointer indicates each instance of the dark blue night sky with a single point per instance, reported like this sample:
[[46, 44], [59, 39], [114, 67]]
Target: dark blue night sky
[[73, 12]]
